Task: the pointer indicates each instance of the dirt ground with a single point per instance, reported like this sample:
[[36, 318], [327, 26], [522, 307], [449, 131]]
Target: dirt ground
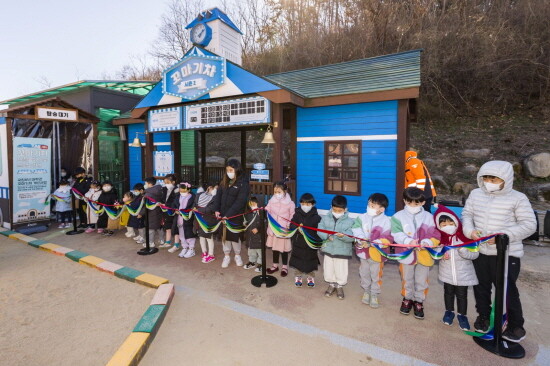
[[218, 318], [54, 311]]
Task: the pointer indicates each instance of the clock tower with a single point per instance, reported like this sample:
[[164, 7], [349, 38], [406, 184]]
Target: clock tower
[[213, 30]]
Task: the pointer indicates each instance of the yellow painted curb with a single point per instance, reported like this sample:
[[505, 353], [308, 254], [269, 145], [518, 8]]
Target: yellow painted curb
[[91, 261], [131, 351], [22, 237], [150, 280], [49, 247]]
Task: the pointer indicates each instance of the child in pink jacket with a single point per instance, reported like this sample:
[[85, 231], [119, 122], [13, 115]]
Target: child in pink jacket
[[281, 208]]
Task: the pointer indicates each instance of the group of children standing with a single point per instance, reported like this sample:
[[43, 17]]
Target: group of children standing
[[493, 208]]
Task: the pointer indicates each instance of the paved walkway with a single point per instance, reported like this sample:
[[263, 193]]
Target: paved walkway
[[217, 317]]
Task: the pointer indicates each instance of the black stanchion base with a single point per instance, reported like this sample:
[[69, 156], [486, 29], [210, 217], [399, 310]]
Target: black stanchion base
[[74, 232], [269, 281], [501, 347], [149, 251]]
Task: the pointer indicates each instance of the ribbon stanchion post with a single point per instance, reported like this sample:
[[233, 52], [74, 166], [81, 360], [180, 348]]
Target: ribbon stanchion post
[[269, 281], [75, 230], [497, 345], [147, 250]]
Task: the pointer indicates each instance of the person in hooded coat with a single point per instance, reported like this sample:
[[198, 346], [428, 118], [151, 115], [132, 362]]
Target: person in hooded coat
[[494, 208], [305, 259], [153, 191], [456, 269]]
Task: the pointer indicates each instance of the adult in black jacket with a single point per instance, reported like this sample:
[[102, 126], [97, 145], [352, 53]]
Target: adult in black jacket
[[231, 200], [82, 184], [304, 259]]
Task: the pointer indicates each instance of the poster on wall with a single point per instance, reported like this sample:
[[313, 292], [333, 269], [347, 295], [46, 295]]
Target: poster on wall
[[164, 163], [165, 119], [32, 160], [244, 111]]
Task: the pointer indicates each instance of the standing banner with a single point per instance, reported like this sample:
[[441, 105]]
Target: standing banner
[[32, 161]]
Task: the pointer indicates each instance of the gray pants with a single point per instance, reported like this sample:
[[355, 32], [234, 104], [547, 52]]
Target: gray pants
[[227, 245], [152, 233], [371, 275], [414, 281], [255, 255]]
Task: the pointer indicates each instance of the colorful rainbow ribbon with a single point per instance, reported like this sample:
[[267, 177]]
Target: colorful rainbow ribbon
[[284, 233], [204, 226]]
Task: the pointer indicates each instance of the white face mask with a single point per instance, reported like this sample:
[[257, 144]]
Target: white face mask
[[213, 192], [279, 195], [337, 215], [169, 186], [449, 229], [306, 208], [253, 207], [184, 194], [107, 188], [492, 187], [136, 193], [372, 211], [146, 185], [64, 188], [63, 174], [231, 175], [412, 209]]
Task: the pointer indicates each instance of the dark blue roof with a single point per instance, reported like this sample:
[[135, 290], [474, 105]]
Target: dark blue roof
[[210, 15]]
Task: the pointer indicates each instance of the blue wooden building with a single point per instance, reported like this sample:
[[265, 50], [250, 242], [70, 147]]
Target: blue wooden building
[[337, 129]]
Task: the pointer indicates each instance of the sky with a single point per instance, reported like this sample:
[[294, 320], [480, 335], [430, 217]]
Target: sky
[[61, 41]]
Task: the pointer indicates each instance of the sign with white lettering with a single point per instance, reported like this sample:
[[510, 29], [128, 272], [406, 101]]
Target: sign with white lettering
[[259, 166], [166, 119], [164, 163], [245, 111], [56, 114], [260, 174], [194, 76]]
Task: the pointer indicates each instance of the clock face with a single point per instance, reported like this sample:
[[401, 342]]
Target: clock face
[[199, 34]]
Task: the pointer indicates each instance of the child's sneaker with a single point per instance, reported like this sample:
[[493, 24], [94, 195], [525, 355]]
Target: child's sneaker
[[138, 238], [129, 234], [61, 226], [310, 282], [330, 290], [166, 244], [366, 298], [258, 268], [418, 310], [406, 306], [173, 249], [151, 244], [226, 261], [373, 301], [100, 231], [89, 230], [209, 258], [249, 265], [109, 233], [463, 322], [203, 257], [298, 281], [481, 325], [340, 292], [448, 317], [190, 253], [68, 225], [515, 335], [238, 261]]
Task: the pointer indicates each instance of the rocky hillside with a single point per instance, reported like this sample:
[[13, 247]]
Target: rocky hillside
[[455, 148]]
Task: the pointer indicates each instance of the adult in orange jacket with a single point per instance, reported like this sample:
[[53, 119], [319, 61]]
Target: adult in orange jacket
[[417, 175]]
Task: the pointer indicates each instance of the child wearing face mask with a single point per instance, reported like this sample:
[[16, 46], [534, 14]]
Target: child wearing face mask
[[204, 204], [184, 201], [169, 192], [108, 196], [252, 236], [337, 248], [63, 204], [373, 227], [495, 207], [136, 224], [456, 269], [414, 226], [281, 208], [93, 194], [305, 259]]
